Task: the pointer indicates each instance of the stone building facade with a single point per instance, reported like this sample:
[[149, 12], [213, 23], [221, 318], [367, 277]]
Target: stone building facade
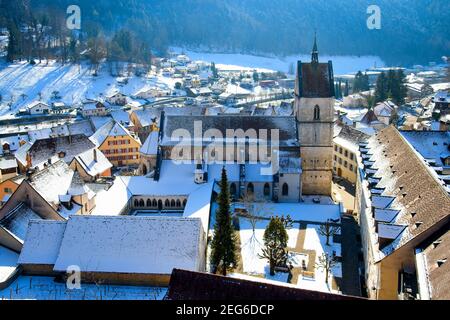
[[314, 112]]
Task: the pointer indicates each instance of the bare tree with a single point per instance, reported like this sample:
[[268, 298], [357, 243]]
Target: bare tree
[[328, 230], [255, 210], [327, 263]]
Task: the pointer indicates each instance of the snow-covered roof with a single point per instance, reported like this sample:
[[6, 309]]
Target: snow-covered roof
[[389, 231], [67, 146], [42, 242], [121, 117], [430, 144], [34, 104], [109, 129], [52, 181], [8, 263], [199, 204], [386, 215], [8, 163], [112, 200], [12, 141], [150, 146], [287, 127], [410, 186], [17, 221], [94, 162], [130, 244]]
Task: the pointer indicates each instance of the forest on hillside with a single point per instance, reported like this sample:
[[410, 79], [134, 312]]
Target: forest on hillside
[[412, 31]]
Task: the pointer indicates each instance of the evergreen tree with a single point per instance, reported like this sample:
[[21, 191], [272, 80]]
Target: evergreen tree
[[223, 246], [275, 244], [358, 82], [214, 70], [14, 51], [365, 82], [336, 90], [255, 76], [340, 89], [381, 88], [347, 89], [401, 90]]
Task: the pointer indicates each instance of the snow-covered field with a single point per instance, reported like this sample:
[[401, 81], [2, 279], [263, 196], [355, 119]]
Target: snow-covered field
[[44, 288], [341, 64], [73, 83]]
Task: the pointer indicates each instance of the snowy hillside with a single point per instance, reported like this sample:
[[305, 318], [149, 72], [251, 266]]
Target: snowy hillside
[[74, 84], [341, 64]]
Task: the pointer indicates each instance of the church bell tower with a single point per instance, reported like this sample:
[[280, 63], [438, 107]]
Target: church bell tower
[[314, 111]]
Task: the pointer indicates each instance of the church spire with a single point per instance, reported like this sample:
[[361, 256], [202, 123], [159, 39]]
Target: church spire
[[315, 51]]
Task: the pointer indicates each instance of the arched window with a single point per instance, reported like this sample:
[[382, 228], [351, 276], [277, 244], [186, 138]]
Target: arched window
[[285, 189], [184, 202], [136, 202], [233, 189], [160, 205], [250, 188], [178, 203], [154, 203], [141, 203], [149, 203], [267, 190], [167, 203], [316, 113], [172, 203]]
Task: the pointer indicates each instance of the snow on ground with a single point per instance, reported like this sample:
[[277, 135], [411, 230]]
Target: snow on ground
[[315, 241], [307, 211], [252, 243], [44, 288], [231, 62], [251, 246], [74, 83]]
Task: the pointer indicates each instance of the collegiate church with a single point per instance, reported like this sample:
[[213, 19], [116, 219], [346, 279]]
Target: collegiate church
[[298, 148]]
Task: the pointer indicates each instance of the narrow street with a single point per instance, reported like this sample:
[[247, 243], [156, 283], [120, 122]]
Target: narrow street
[[344, 192]]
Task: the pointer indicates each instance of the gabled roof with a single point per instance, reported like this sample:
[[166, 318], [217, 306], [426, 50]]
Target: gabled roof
[[109, 129], [369, 117], [94, 162], [36, 103]]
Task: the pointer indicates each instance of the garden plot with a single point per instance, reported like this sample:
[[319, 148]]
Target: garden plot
[[315, 241]]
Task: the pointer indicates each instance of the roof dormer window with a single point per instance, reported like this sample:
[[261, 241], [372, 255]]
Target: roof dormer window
[[441, 262]]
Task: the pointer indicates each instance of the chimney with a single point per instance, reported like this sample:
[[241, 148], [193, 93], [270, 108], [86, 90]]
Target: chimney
[[29, 160], [95, 155]]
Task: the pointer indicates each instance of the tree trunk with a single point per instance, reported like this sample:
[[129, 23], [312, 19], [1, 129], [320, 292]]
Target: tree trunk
[[272, 269]]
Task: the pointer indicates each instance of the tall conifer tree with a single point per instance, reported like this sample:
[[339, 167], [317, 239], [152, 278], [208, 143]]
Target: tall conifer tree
[[223, 255]]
